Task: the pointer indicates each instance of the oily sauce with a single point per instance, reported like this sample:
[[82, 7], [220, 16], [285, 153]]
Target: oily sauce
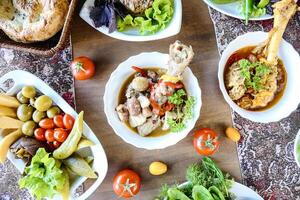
[[281, 77], [122, 99]]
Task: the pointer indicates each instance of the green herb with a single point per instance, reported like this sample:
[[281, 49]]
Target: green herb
[[43, 177], [177, 97], [155, 18], [253, 73]]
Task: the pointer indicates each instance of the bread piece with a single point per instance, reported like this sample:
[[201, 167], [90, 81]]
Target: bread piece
[[32, 20]]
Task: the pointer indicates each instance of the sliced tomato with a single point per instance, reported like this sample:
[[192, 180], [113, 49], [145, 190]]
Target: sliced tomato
[[206, 141], [140, 70], [168, 106], [126, 183], [156, 108], [178, 85]]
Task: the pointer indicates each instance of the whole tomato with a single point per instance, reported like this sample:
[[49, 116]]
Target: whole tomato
[[39, 134], [47, 123], [58, 121], [82, 68], [60, 134], [127, 183], [68, 121], [206, 141]]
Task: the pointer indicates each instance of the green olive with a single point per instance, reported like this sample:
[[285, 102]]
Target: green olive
[[24, 112], [43, 103], [31, 101], [37, 116], [53, 111], [28, 128], [28, 91], [21, 98]]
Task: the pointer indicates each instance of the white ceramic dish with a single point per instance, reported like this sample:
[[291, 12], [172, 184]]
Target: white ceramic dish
[[172, 29], [100, 165], [291, 97], [233, 10], [297, 149], [112, 90]]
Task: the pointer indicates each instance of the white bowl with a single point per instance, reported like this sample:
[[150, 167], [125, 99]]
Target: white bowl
[[173, 28], [296, 152], [291, 97], [233, 10], [100, 165], [112, 90]]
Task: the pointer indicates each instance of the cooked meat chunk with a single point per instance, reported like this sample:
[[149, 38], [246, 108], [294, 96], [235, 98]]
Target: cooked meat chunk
[[138, 120], [161, 92], [180, 57], [123, 113], [137, 6], [153, 76], [140, 84], [147, 112], [130, 92], [134, 106], [150, 125], [144, 101], [235, 82]]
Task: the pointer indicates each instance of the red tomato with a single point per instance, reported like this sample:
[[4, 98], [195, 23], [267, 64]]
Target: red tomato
[[39, 134], [60, 134], [127, 183], [58, 121], [46, 123], [140, 70], [174, 85], [68, 121], [82, 68], [49, 135], [206, 141], [56, 144]]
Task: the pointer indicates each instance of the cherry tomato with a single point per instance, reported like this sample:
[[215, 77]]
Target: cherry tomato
[[82, 68], [127, 183], [60, 134], [46, 123], [39, 134], [206, 141], [58, 121], [49, 135], [68, 121], [56, 144]]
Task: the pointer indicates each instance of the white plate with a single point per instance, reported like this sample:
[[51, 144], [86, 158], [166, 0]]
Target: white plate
[[297, 146], [100, 165], [233, 10], [112, 89], [291, 97], [172, 29], [241, 192]]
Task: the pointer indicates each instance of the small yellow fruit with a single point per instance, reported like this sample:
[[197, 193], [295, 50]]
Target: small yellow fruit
[[157, 168], [233, 134]]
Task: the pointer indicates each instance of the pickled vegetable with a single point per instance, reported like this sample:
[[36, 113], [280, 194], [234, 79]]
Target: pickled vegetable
[[9, 101], [21, 98], [6, 142], [10, 123], [65, 191], [79, 166], [28, 91], [53, 111], [157, 168], [6, 111], [37, 116], [70, 145], [43, 103], [28, 128], [83, 143], [24, 112]]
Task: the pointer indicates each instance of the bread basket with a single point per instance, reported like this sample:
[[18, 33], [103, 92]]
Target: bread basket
[[46, 48]]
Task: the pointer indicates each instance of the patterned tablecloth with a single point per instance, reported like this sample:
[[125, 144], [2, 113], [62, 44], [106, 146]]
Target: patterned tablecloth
[[55, 72], [266, 150]]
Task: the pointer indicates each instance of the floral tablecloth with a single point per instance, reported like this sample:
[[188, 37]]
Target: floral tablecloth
[[266, 150], [55, 72]]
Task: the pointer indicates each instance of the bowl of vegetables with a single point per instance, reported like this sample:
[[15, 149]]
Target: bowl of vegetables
[[134, 20], [297, 149], [46, 140]]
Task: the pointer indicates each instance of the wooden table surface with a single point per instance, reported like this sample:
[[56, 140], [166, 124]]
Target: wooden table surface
[[197, 30]]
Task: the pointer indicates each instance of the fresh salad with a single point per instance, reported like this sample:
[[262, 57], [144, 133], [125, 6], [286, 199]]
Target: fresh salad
[[48, 140], [146, 16], [205, 181]]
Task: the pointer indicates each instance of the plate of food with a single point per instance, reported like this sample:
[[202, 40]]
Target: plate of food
[[297, 149], [242, 9], [46, 140], [258, 71], [133, 20], [205, 180], [157, 100]]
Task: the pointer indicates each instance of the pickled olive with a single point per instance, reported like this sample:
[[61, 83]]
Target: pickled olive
[[53, 111], [21, 98], [24, 112], [43, 103], [37, 116], [28, 91], [28, 128]]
